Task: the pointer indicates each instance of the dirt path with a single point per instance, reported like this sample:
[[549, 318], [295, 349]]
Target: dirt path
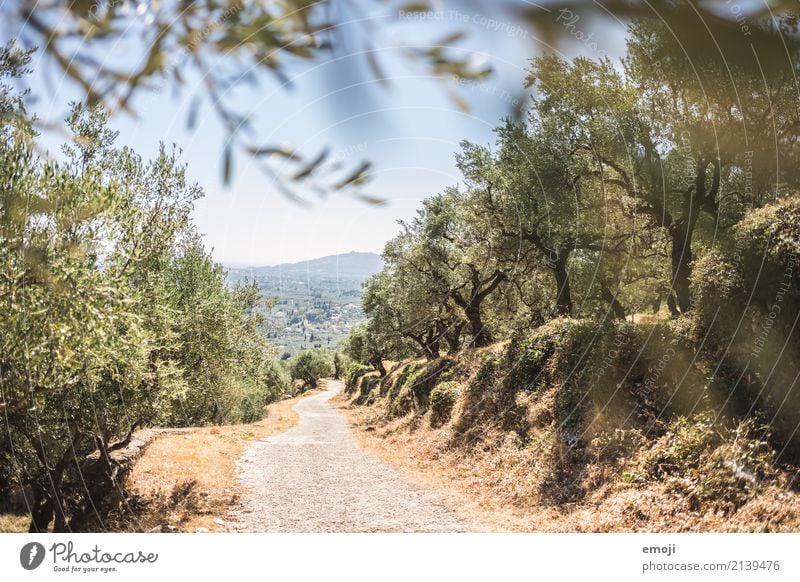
[[315, 478]]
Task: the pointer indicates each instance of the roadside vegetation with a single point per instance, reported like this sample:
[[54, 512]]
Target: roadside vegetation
[[187, 478], [115, 317], [606, 305]]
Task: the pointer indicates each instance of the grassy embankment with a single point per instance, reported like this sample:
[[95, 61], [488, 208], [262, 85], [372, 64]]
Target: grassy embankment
[[543, 434]]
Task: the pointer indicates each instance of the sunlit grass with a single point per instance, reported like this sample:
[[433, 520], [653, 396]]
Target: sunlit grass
[[12, 523], [188, 478]]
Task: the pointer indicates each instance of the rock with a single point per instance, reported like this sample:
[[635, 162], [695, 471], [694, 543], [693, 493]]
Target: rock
[[163, 528], [219, 521], [201, 530]]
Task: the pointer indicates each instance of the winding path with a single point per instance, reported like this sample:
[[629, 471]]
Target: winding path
[[315, 478]]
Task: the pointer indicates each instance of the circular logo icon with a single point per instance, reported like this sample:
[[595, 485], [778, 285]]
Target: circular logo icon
[[31, 555]]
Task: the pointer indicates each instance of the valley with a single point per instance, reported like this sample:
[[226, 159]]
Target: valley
[[312, 303]]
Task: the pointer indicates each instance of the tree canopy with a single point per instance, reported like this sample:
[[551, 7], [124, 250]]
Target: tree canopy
[[623, 180]]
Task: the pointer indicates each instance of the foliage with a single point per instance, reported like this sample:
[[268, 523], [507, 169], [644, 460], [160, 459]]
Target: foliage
[[224, 45], [353, 374], [114, 316], [709, 463], [368, 344], [231, 44], [443, 398], [621, 239], [310, 366]]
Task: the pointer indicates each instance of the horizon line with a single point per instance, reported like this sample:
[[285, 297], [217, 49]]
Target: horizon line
[[238, 265]]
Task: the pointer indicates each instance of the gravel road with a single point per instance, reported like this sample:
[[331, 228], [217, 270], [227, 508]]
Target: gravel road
[[315, 478]]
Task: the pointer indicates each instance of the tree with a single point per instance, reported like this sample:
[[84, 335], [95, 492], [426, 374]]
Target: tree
[[309, 366], [452, 252], [111, 311], [74, 374], [368, 344], [339, 365], [402, 304], [668, 131], [720, 126]]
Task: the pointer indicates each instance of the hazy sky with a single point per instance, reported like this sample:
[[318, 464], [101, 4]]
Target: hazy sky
[[410, 130]]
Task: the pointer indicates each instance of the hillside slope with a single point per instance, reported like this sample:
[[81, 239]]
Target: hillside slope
[[352, 265], [314, 303], [549, 439]]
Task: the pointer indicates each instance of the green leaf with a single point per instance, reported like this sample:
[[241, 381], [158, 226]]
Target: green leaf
[[358, 176]]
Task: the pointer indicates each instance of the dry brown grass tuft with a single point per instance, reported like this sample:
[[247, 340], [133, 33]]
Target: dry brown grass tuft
[[504, 485], [12, 523], [187, 477]]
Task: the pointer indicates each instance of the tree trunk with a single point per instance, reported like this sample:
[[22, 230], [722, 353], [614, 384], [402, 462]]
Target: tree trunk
[[431, 350], [699, 195], [563, 292], [453, 339], [379, 367], [681, 235], [480, 333], [41, 512], [616, 307]]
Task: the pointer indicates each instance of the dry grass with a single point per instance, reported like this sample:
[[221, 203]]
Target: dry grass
[[421, 454], [504, 487], [12, 523], [187, 477]]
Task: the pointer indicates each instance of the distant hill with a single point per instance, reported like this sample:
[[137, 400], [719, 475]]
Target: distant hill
[[352, 265], [312, 303]]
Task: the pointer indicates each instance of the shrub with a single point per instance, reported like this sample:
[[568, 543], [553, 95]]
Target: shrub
[[406, 376], [251, 406], [277, 381], [442, 399], [710, 464], [368, 388], [310, 366], [353, 372]]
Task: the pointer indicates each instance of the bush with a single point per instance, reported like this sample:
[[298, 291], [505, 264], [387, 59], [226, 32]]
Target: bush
[[709, 463], [353, 372], [310, 366], [253, 397], [251, 406], [745, 302], [412, 388], [277, 381], [442, 399]]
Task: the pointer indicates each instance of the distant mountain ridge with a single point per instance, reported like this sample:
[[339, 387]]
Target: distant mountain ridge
[[314, 303], [352, 265]]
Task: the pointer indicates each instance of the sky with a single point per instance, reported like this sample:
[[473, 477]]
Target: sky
[[410, 130]]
